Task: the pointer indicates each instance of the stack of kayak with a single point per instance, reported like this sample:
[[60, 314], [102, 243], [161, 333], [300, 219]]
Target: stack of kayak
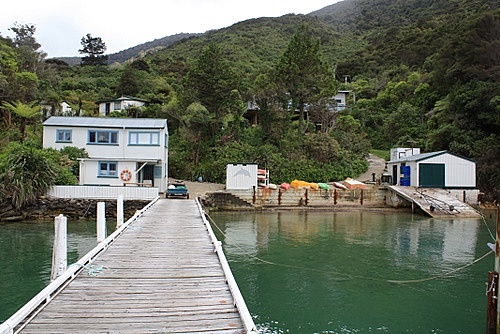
[[345, 185]]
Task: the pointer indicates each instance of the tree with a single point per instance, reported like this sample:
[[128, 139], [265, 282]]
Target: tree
[[94, 48], [302, 73], [27, 47], [211, 82], [25, 174], [25, 113]]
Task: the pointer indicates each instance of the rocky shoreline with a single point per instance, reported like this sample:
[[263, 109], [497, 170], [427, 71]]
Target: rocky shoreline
[[74, 209]]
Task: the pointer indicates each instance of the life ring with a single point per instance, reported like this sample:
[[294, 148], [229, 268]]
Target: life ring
[[126, 175]]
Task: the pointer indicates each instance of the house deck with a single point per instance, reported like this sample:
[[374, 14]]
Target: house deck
[[162, 275]]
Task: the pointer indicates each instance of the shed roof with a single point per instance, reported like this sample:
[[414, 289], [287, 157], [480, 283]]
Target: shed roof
[[428, 155], [107, 122], [122, 98]]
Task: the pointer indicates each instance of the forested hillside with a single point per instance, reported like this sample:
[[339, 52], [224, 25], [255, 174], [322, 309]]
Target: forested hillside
[[420, 73]]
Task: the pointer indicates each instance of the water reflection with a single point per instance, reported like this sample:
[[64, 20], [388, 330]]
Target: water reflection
[[318, 272]]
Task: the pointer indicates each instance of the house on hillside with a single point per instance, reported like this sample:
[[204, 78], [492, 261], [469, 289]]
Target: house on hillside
[[106, 107], [252, 110], [442, 169], [121, 150], [341, 99], [63, 109]]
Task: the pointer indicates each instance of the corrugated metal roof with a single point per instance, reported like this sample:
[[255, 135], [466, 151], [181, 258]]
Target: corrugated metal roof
[[107, 122], [423, 156]]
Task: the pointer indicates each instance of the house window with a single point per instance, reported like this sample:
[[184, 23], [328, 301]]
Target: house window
[[63, 136], [103, 137], [108, 169], [117, 105], [144, 138]]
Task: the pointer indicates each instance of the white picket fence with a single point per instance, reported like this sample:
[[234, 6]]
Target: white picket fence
[[103, 192]]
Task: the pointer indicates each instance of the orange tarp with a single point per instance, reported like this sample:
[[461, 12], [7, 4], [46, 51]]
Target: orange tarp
[[301, 184]]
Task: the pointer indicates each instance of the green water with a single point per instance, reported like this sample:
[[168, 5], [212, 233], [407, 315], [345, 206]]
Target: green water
[[313, 272], [26, 258], [329, 272]]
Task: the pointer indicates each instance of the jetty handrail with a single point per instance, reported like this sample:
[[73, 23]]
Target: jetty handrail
[[37, 303], [239, 302]]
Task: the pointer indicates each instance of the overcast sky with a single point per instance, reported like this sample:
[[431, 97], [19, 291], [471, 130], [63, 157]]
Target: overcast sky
[[60, 24]]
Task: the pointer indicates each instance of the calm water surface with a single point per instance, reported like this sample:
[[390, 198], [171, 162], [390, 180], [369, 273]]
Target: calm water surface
[[329, 272], [26, 258], [311, 272]]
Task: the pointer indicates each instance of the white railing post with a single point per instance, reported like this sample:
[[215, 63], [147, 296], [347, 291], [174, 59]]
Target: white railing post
[[60, 249], [119, 211], [101, 221]]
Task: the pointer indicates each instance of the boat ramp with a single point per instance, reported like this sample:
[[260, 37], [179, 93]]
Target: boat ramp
[[163, 271], [437, 203]]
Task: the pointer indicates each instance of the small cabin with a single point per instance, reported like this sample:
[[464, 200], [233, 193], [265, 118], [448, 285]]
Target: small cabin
[[122, 103], [442, 169]]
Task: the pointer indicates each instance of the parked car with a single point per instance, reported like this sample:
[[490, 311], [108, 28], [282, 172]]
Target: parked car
[[177, 189]]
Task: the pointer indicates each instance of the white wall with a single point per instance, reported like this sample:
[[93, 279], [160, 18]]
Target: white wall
[[241, 176], [127, 156], [458, 172]]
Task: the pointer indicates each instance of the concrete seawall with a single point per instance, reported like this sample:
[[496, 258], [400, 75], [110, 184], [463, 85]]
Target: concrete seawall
[[263, 198]]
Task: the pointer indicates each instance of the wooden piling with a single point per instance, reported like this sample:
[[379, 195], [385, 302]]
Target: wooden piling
[[60, 249], [492, 298], [497, 265], [119, 211], [101, 221]]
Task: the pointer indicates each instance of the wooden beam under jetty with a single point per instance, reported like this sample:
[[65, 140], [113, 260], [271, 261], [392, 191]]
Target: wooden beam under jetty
[[164, 274]]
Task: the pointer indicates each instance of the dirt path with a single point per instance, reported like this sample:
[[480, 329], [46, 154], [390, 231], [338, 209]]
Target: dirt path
[[377, 166]]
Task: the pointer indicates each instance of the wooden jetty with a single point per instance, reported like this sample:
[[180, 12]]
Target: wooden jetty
[[165, 273], [434, 202]]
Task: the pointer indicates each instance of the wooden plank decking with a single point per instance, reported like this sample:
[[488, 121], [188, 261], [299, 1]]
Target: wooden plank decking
[[161, 276]]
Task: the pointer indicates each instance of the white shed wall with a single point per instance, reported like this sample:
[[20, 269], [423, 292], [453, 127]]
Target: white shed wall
[[241, 176], [458, 172]]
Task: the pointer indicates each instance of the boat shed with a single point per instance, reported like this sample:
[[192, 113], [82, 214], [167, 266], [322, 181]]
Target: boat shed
[[442, 169]]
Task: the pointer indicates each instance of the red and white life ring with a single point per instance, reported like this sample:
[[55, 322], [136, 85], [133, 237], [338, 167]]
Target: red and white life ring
[[126, 175]]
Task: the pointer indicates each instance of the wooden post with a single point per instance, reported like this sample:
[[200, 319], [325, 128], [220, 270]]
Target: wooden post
[[60, 250], [279, 196], [119, 211], [101, 221], [361, 197], [492, 300], [497, 264]]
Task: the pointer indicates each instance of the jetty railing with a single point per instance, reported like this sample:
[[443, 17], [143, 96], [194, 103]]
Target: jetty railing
[[103, 192], [16, 322], [239, 302]]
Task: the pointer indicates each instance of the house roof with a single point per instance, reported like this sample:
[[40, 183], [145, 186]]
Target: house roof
[[424, 156], [107, 122], [123, 98]]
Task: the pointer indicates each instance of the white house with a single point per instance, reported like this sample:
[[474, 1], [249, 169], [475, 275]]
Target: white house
[[119, 104], [441, 169], [341, 99], [64, 109], [121, 150]]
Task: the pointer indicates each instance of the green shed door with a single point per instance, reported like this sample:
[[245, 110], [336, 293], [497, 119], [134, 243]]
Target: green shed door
[[431, 175]]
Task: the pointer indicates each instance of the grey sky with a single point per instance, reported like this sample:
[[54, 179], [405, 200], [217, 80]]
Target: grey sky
[[123, 24]]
